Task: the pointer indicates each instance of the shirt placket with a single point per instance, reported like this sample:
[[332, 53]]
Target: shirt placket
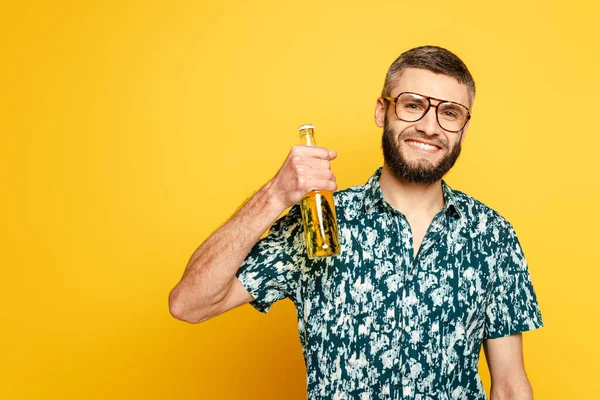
[[403, 248], [408, 305]]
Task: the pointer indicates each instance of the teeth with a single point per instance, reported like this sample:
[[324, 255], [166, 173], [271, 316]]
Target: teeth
[[422, 145]]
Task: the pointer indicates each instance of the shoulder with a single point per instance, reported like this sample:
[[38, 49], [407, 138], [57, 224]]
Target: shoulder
[[480, 217], [347, 199], [349, 203], [350, 195]]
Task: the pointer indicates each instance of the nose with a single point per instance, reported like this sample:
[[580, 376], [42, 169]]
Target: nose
[[428, 124]]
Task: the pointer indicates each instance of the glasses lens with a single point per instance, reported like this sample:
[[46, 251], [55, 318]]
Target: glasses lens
[[410, 107], [452, 117]]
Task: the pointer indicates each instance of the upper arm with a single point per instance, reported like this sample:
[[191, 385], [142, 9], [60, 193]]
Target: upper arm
[[272, 270], [505, 360], [504, 355], [512, 307], [269, 272]]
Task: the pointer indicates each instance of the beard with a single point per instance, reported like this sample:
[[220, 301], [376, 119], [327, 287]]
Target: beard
[[421, 172]]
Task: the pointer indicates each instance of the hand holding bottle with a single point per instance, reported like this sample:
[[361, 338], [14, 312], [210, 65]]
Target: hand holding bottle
[[306, 177], [305, 169]]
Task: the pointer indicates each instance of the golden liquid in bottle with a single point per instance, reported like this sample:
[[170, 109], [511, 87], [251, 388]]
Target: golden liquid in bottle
[[320, 224], [318, 213]]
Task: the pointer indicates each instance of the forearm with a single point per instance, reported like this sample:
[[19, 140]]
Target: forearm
[[212, 268], [520, 390], [208, 286]]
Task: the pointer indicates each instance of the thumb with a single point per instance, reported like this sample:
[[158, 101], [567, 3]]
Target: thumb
[[332, 154]]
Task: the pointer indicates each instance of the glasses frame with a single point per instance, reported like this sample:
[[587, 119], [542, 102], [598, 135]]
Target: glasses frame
[[437, 117]]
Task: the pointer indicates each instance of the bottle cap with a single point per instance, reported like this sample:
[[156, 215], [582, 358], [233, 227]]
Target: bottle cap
[[307, 126]]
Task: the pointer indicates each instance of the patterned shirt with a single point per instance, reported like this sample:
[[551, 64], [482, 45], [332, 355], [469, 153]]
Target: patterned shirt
[[377, 322]]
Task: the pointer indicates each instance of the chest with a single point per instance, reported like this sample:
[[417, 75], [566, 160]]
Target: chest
[[378, 286], [419, 227]]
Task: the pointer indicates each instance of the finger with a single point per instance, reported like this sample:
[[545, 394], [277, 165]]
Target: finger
[[321, 174], [313, 158], [322, 184], [318, 152], [317, 163]]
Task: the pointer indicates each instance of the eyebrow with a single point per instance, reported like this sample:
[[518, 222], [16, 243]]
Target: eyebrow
[[452, 105]]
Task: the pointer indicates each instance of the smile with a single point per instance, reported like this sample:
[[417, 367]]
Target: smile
[[422, 146]]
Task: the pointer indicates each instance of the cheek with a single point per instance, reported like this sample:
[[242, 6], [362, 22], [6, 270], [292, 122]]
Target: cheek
[[406, 129], [453, 140], [455, 146]]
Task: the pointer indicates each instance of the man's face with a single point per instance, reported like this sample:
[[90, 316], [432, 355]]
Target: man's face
[[421, 152]]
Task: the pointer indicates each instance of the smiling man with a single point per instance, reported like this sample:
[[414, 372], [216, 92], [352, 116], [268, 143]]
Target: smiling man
[[427, 274]]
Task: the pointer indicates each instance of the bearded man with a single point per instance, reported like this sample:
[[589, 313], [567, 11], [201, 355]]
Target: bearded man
[[427, 274]]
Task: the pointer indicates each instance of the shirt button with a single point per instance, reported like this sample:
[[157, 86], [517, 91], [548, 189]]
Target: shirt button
[[407, 328]]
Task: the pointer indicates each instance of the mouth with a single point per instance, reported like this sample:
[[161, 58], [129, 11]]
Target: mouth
[[423, 146]]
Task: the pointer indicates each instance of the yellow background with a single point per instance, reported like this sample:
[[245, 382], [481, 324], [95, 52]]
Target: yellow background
[[131, 130]]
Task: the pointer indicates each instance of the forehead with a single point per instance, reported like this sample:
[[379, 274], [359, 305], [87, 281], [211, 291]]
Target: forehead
[[431, 84]]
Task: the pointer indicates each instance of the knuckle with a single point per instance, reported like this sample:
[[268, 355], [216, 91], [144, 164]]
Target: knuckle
[[297, 149], [316, 152]]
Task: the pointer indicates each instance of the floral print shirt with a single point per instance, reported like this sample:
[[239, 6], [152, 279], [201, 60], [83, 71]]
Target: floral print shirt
[[377, 322]]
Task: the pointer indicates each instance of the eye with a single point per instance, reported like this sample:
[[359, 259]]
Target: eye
[[413, 105], [450, 114]]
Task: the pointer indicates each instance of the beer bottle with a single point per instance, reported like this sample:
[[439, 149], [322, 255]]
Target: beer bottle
[[318, 213]]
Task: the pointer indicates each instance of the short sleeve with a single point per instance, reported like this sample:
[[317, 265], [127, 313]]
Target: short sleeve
[[270, 271], [513, 306]]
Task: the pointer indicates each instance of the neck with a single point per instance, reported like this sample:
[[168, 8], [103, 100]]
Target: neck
[[409, 198]]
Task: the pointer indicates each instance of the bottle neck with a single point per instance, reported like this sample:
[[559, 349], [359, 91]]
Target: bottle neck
[[307, 137]]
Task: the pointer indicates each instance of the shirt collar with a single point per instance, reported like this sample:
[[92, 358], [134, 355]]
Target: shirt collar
[[374, 196], [451, 205]]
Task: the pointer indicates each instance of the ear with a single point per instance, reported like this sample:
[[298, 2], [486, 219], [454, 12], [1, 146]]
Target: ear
[[380, 110]]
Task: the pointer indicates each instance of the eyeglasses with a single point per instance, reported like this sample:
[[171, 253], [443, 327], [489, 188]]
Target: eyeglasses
[[411, 107]]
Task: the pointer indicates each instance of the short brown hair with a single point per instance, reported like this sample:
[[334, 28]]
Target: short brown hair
[[435, 59]]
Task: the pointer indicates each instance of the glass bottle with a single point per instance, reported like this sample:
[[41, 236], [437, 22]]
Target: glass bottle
[[318, 213]]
